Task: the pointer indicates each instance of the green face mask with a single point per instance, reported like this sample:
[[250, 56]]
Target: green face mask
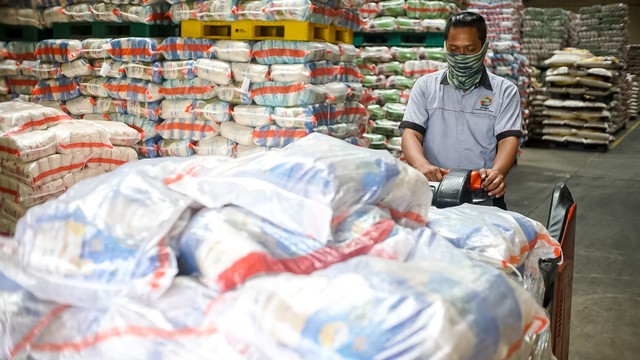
[[465, 71]]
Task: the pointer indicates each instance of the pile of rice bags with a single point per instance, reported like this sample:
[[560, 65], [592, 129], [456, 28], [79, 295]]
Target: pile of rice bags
[[389, 74], [604, 29], [583, 101], [407, 15], [16, 78], [544, 31], [353, 231], [43, 152], [633, 59]]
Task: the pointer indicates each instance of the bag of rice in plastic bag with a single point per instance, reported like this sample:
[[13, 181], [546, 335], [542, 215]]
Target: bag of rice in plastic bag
[[177, 148], [9, 67], [286, 94], [144, 71], [61, 89], [277, 136], [234, 51], [252, 115], [29, 146], [145, 14], [145, 127], [18, 116], [349, 73], [318, 72], [119, 134], [351, 112], [78, 13], [197, 88], [76, 68], [216, 71], [176, 48], [422, 9], [179, 70], [92, 86], [60, 51], [43, 170], [134, 89], [78, 136], [110, 159], [187, 129], [239, 134], [217, 145], [234, 93], [134, 49], [21, 50], [270, 52], [340, 131], [253, 72], [105, 12], [306, 117], [149, 110], [108, 68]]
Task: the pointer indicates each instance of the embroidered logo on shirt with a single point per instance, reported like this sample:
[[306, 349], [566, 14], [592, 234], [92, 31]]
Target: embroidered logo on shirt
[[485, 103]]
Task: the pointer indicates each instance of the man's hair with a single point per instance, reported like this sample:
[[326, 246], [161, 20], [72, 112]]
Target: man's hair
[[467, 19]]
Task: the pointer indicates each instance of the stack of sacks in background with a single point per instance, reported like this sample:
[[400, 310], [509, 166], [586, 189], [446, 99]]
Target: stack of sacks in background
[[544, 31], [19, 56], [345, 239], [504, 24], [5, 68], [389, 74], [537, 94], [145, 12], [633, 59], [604, 30], [634, 105], [43, 152], [341, 13], [407, 15], [584, 106], [629, 95]]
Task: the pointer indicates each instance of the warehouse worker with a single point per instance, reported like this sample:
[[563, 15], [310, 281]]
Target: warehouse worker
[[464, 117]]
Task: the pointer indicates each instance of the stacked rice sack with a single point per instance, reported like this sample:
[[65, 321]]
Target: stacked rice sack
[[633, 59], [351, 238], [407, 15], [634, 107], [145, 12], [544, 31], [22, 16], [584, 103], [18, 57], [389, 74], [604, 30]]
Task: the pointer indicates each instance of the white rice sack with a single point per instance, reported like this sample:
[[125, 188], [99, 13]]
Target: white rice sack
[[19, 194], [234, 93], [60, 51], [110, 159], [9, 67], [76, 68], [197, 88], [348, 53], [145, 127], [288, 52], [28, 146], [134, 49], [212, 10], [21, 50], [86, 173], [119, 134], [217, 145], [351, 112], [148, 110], [134, 89], [305, 117], [143, 71], [78, 13], [19, 116], [54, 14], [336, 92], [240, 134], [85, 105], [177, 48], [4, 87], [233, 51], [179, 70], [12, 210], [108, 68], [331, 52], [318, 72], [145, 14], [45, 169], [212, 110], [277, 136], [80, 136], [216, 71], [29, 17], [177, 109], [340, 131], [253, 115], [254, 10], [177, 148], [61, 89], [105, 12], [92, 86], [253, 72], [58, 105], [187, 129], [287, 94]]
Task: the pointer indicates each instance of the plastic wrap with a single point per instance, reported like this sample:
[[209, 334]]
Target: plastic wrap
[[19, 116], [277, 136]]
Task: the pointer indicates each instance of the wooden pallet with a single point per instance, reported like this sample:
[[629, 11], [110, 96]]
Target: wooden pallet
[[404, 39], [100, 29], [266, 30], [23, 33]]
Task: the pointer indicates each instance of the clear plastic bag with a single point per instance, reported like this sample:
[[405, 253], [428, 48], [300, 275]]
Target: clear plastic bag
[[18, 116]]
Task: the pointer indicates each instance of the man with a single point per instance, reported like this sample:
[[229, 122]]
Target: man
[[464, 117]]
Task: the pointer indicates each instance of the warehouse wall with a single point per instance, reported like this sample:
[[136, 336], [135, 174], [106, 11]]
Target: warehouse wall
[[575, 5]]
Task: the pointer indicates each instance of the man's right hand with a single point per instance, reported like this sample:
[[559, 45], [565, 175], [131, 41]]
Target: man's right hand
[[433, 173]]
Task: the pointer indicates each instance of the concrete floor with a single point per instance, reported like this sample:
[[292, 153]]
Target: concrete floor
[[605, 317]]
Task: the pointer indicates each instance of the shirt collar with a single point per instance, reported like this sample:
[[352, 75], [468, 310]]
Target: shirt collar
[[484, 80]]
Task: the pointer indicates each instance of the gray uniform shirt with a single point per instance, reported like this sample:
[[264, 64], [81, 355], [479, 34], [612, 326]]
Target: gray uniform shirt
[[462, 130]]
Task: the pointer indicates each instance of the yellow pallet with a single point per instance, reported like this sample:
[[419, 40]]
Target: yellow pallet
[[265, 30]]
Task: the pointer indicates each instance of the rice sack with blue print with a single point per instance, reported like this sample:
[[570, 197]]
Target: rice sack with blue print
[[176, 48], [60, 51], [134, 49]]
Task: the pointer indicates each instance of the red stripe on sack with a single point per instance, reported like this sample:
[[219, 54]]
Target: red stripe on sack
[[331, 71], [158, 16], [43, 121], [126, 88], [21, 82], [106, 161], [324, 11], [8, 191], [351, 72], [54, 51], [8, 150], [409, 215], [81, 145], [130, 52], [24, 56], [181, 175], [163, 264], [138, 129], [423, 71], [135, 331], [368, 11], [354, 111], [188, 127], [280, 52], [56, 171], [427, 10], [186, 47], [36, 330], [57, 89], [290, 133], [259, 263], [199, 90], [285, 89]]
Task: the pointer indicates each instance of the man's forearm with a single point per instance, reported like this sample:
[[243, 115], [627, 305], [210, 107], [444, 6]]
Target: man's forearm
[[506, 155], [413, 151]]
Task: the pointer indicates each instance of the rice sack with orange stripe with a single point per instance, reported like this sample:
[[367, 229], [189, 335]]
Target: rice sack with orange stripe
[[211, 10], [216, 71], [20, 194], [349, 73], [234, 51], [119, 134], [350, 19], [81, 136], [45, 169], [108, 68], [28, 146], [134, 89], [341, 131], [9, 67], [421, 9], [76, 68], [107, 254], [277, 136], [287, 94], [148, 148], [177, 148], [95, 49], [179, 70], [351, 112], [301, 10], [270, 52], [22, 50], [78, 13], [198, 89], [241, 134], [110, 159], [134, 49], [305, 117], [105, 12], [253, 115], [234, 93], [253, 72], [11, 210], [501, 238], [217, 145], [145, 127], [60, 51], [145, 14], [143, 71], [4, 87], [85, 105], [176, 48], [18, 116], [61, 89], [23, 85], [196, 110], [179, 129], [317, 72], [149, 110], [254, 10]]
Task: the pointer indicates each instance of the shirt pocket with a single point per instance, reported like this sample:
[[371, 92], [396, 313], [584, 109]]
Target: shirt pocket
[[480, 130]]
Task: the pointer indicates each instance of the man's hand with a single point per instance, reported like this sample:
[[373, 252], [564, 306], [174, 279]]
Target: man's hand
[[494, 182], [432, 173]]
